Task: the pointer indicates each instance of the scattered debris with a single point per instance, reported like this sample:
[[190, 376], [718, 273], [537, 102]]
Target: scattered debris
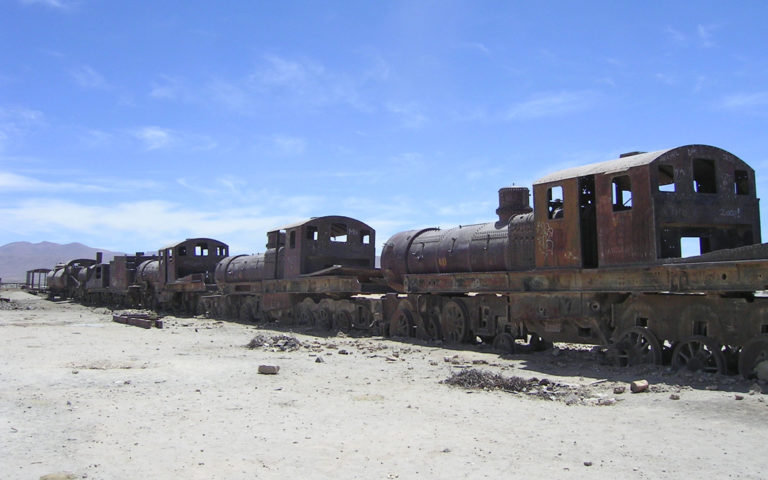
[[269, 369], [619, 390], [483, 380], [739, 397], [319, 360], [674, 396], [638, 386], [142, 320], [606, 401], [572, 399], [282, 343], [8, 304]]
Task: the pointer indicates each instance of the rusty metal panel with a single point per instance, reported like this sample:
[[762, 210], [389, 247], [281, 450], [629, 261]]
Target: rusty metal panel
[[558, 242], [720, 207], [123, 270], [522, 237], [625, 233], [734, 276]]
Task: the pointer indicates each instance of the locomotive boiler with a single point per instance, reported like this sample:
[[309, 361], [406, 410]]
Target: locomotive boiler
[[65, 280], [506, 244]]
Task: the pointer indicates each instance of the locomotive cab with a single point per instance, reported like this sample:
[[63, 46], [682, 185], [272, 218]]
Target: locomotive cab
[[324, 242], [644, 208], [192, 256]]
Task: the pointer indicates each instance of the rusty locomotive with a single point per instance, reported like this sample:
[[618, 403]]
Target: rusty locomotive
[[320, 272], [173, 280], [601, 257], [598, 261]]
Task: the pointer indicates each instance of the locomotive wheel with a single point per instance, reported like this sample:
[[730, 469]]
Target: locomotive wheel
[[323, 319], [245, 312], [201, 310], [304, 316], [303, 312], [504, 342], [421, 328], [538, 344], [454, 322], [752, 355], [365, 321], [342, 320], [699, 353], [401, 323], [636, 346], [432, 324]]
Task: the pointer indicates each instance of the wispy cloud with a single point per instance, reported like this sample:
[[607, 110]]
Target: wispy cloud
[[282, 72], [231, 95], [744, 101], [704, 32], [154, 138], [17, 121], [409, 114], [703, 37], [167, 87], [222, 187], [86, 77], [11, 182], [477, 47], [289, 146], [551, 104], [666, 78], [677, 37], [48, 3], [310, 83]]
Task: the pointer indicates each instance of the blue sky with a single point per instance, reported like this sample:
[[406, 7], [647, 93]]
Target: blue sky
[[130, 125]]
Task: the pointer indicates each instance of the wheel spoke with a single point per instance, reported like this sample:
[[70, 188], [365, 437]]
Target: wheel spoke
[[637, 345], [699, 353]]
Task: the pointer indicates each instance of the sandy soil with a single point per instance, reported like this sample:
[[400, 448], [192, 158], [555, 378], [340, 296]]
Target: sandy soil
[[84, 397]]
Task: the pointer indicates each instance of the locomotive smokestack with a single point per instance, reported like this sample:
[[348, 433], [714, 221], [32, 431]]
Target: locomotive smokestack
[[98, 257], [513, 201]]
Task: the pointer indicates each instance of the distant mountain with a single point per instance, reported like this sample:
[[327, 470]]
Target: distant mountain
[[18, 257]]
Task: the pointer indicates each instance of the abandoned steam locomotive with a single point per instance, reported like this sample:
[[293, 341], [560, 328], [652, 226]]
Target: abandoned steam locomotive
[[600, 259]]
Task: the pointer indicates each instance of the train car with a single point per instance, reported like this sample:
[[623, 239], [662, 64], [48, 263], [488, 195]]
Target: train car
[[64, 281], [598, 260], [180, 275], [312, 272], [114, 283]]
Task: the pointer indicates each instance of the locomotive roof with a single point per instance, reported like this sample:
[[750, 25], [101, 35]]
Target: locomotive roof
[[622, 164], [201, 239], [327, 218], [617, 165]]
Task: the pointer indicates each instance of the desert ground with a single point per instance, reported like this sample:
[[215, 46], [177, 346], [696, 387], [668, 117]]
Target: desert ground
[[84, 397]]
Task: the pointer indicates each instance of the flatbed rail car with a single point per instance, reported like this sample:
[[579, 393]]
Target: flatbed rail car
[[597, 261], [314, 272]]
